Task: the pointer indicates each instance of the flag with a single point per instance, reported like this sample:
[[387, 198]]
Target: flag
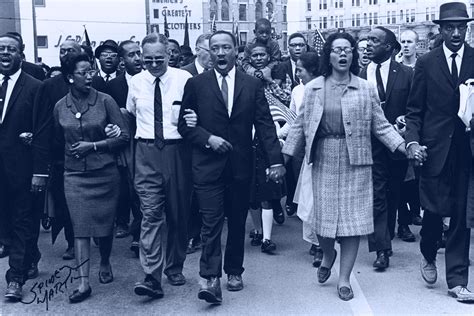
[[237, 35], [167, 32], [213, 24], [186, 32], [318, 41], [89, 47], [88, 41], [279, 112]]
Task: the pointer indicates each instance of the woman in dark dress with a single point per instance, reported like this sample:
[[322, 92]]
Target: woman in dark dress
[[91, 178]]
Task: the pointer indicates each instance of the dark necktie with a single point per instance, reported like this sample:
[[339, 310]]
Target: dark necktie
[[225, 92], [3, 95], [380, 88], [107, 78], [454, 69], [158, 107]]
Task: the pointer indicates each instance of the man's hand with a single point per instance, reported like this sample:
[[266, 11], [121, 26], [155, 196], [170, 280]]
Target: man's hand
[[112, 131], [218, 144], [276, 173], [190, 117], [26, 138], [38, 184], [417, 153], [81, 149]]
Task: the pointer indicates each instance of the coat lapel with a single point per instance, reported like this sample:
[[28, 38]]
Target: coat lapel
[[15, 93], [444, 65], [392, 78]]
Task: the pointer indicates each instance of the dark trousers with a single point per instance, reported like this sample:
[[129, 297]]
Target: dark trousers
[[410, 197], [128, 200], [195, 220], [16, 202], [229, 196], [388, 176], [163, 184], [33, 254]]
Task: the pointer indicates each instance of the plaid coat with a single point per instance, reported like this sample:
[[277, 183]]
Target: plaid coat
[[361, 114]]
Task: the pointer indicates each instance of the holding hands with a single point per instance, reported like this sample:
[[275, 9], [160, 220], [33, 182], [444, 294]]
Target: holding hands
[[417, 154]]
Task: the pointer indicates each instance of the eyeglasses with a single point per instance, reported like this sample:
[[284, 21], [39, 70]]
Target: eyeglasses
[[451, 27], [107, 55], [9, 49], [339, 50], [299, 45], [151, 61], [83, 73], [362, 49]]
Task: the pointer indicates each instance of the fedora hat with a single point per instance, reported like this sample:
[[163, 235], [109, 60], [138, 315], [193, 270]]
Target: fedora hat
[[454, 12], [110, 44]]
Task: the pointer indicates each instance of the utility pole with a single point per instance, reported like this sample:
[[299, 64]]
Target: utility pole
[[35, 44], [147, 16]]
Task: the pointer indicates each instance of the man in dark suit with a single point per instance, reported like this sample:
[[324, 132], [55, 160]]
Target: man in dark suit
[[107, 54], [228, 104], [393, 82], [32, 69], [432, 121], [17, 95], [129, 53]]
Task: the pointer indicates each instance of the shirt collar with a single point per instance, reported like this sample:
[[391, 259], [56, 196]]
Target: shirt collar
[[163, 78], [13, 77], [448, 52], [91, 98], [103, 74], [128, 77], [383, 64], [230, 74], [199, 68]]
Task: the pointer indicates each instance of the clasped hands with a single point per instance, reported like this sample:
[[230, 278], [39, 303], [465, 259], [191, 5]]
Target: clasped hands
[[417, 154]]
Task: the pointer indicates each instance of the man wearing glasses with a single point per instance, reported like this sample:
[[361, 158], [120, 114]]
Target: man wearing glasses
[[162, 166], [107, 54], [296, 47]]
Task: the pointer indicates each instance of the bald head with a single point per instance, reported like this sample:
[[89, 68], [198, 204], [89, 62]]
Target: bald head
[[408, 40], [68, 46]]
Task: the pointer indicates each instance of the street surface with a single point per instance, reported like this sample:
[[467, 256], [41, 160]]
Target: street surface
[[280, 284]]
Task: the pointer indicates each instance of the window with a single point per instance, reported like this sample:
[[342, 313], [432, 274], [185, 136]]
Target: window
[[376, 18], [337, 22], [242, 12], [412, 16], [213, 9], [325, 22], [243, 38], [353, 20], [284, 14], [320, 22], [407, 16], [331, 21], [394, 17], [308, 23], [355, 3], [325, 4], [40, 3], [308, 5], [341, 4], [388, 17], [156, 13], [225, 10], [427, 14], [357, 19], [341, 21], [433, 13], [258, 10], [401, 16], [370, 18], [285, 41], [365, 18], [42, 41]]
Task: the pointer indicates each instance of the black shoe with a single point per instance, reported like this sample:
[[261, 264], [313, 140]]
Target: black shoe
[[69, 254], [77, 297], [32, 272], [149, 287], [106, 276], [46, 223], [211, 291], [121, 232], [252, 233], [234, 282], [135, 247], [268, 246], [257, 239], [278, 215], [318, 257], [291, 209], [3, 251], [325, 272], [382, 262], [405, 234], [176, 279], [417, 220], [14, 291]]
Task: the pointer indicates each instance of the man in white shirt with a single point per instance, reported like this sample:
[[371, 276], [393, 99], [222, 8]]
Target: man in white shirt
[[163, 165]]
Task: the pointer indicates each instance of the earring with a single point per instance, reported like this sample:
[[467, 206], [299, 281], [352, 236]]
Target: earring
[[71, 81]]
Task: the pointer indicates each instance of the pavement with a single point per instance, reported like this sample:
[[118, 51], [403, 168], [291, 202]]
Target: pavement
[[281, 284]]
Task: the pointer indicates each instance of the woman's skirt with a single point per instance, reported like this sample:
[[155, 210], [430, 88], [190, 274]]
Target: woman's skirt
[[343, 194], [92, 198]]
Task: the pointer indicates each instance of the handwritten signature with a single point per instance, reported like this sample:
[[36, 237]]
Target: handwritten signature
[[44, 291]]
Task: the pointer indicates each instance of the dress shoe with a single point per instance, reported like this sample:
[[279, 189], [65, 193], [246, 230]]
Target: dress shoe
[[46, 223], [121, 232], [325, 272], [176, 279], [257, 239], [278, 215], [69, 254], [106, 276], [345, 293], [405, 234], [234, 282], [135, 247], [3, 251], [382, 261], [318, 257], [461, 294], [211, 291], [149, 287], [428, 271], [32, 272], [268, 246], [77, 296], [291, 209], [417, 220], [14, 291]]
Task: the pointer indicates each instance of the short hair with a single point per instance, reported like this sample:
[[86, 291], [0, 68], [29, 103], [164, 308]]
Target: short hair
[[390, 37], [310, 62], [262, 21], [295, 35], [417, 38], [120, 49], [362, 39], [154, 38], [325, 68], [241, 49], [70, 62], [203, 37], [232, 36], [18, 38], [170, 40], [258, 44], [13, 37]]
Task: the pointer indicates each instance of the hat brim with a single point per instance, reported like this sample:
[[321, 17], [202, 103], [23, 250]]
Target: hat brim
[[460, 19]]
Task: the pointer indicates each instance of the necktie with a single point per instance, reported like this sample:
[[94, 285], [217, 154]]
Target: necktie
[[380, 88], [454, 69], [107, 78], [225, 92], [3, 95], [158, 107]]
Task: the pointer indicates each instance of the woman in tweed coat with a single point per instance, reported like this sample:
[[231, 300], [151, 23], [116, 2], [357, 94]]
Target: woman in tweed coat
[[341, 111]]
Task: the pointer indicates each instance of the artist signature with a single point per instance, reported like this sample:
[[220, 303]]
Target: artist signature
[[44, 291]]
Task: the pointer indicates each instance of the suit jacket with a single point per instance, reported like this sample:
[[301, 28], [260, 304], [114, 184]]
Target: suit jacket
[[284, 68], [99, 84], [361, 114], [191, 68], [250, 108], [19, 119], [33, 70], [433, 105], [117, 88]]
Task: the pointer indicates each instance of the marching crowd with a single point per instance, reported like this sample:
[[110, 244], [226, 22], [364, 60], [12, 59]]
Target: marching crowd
[[346, 139]]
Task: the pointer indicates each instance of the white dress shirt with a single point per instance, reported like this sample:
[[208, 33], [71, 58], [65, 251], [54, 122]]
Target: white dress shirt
[[127, 78], [448, 53], [141, 96], [111, 76], [11, 84], [230, 78], [384, 70], [199, 68]]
